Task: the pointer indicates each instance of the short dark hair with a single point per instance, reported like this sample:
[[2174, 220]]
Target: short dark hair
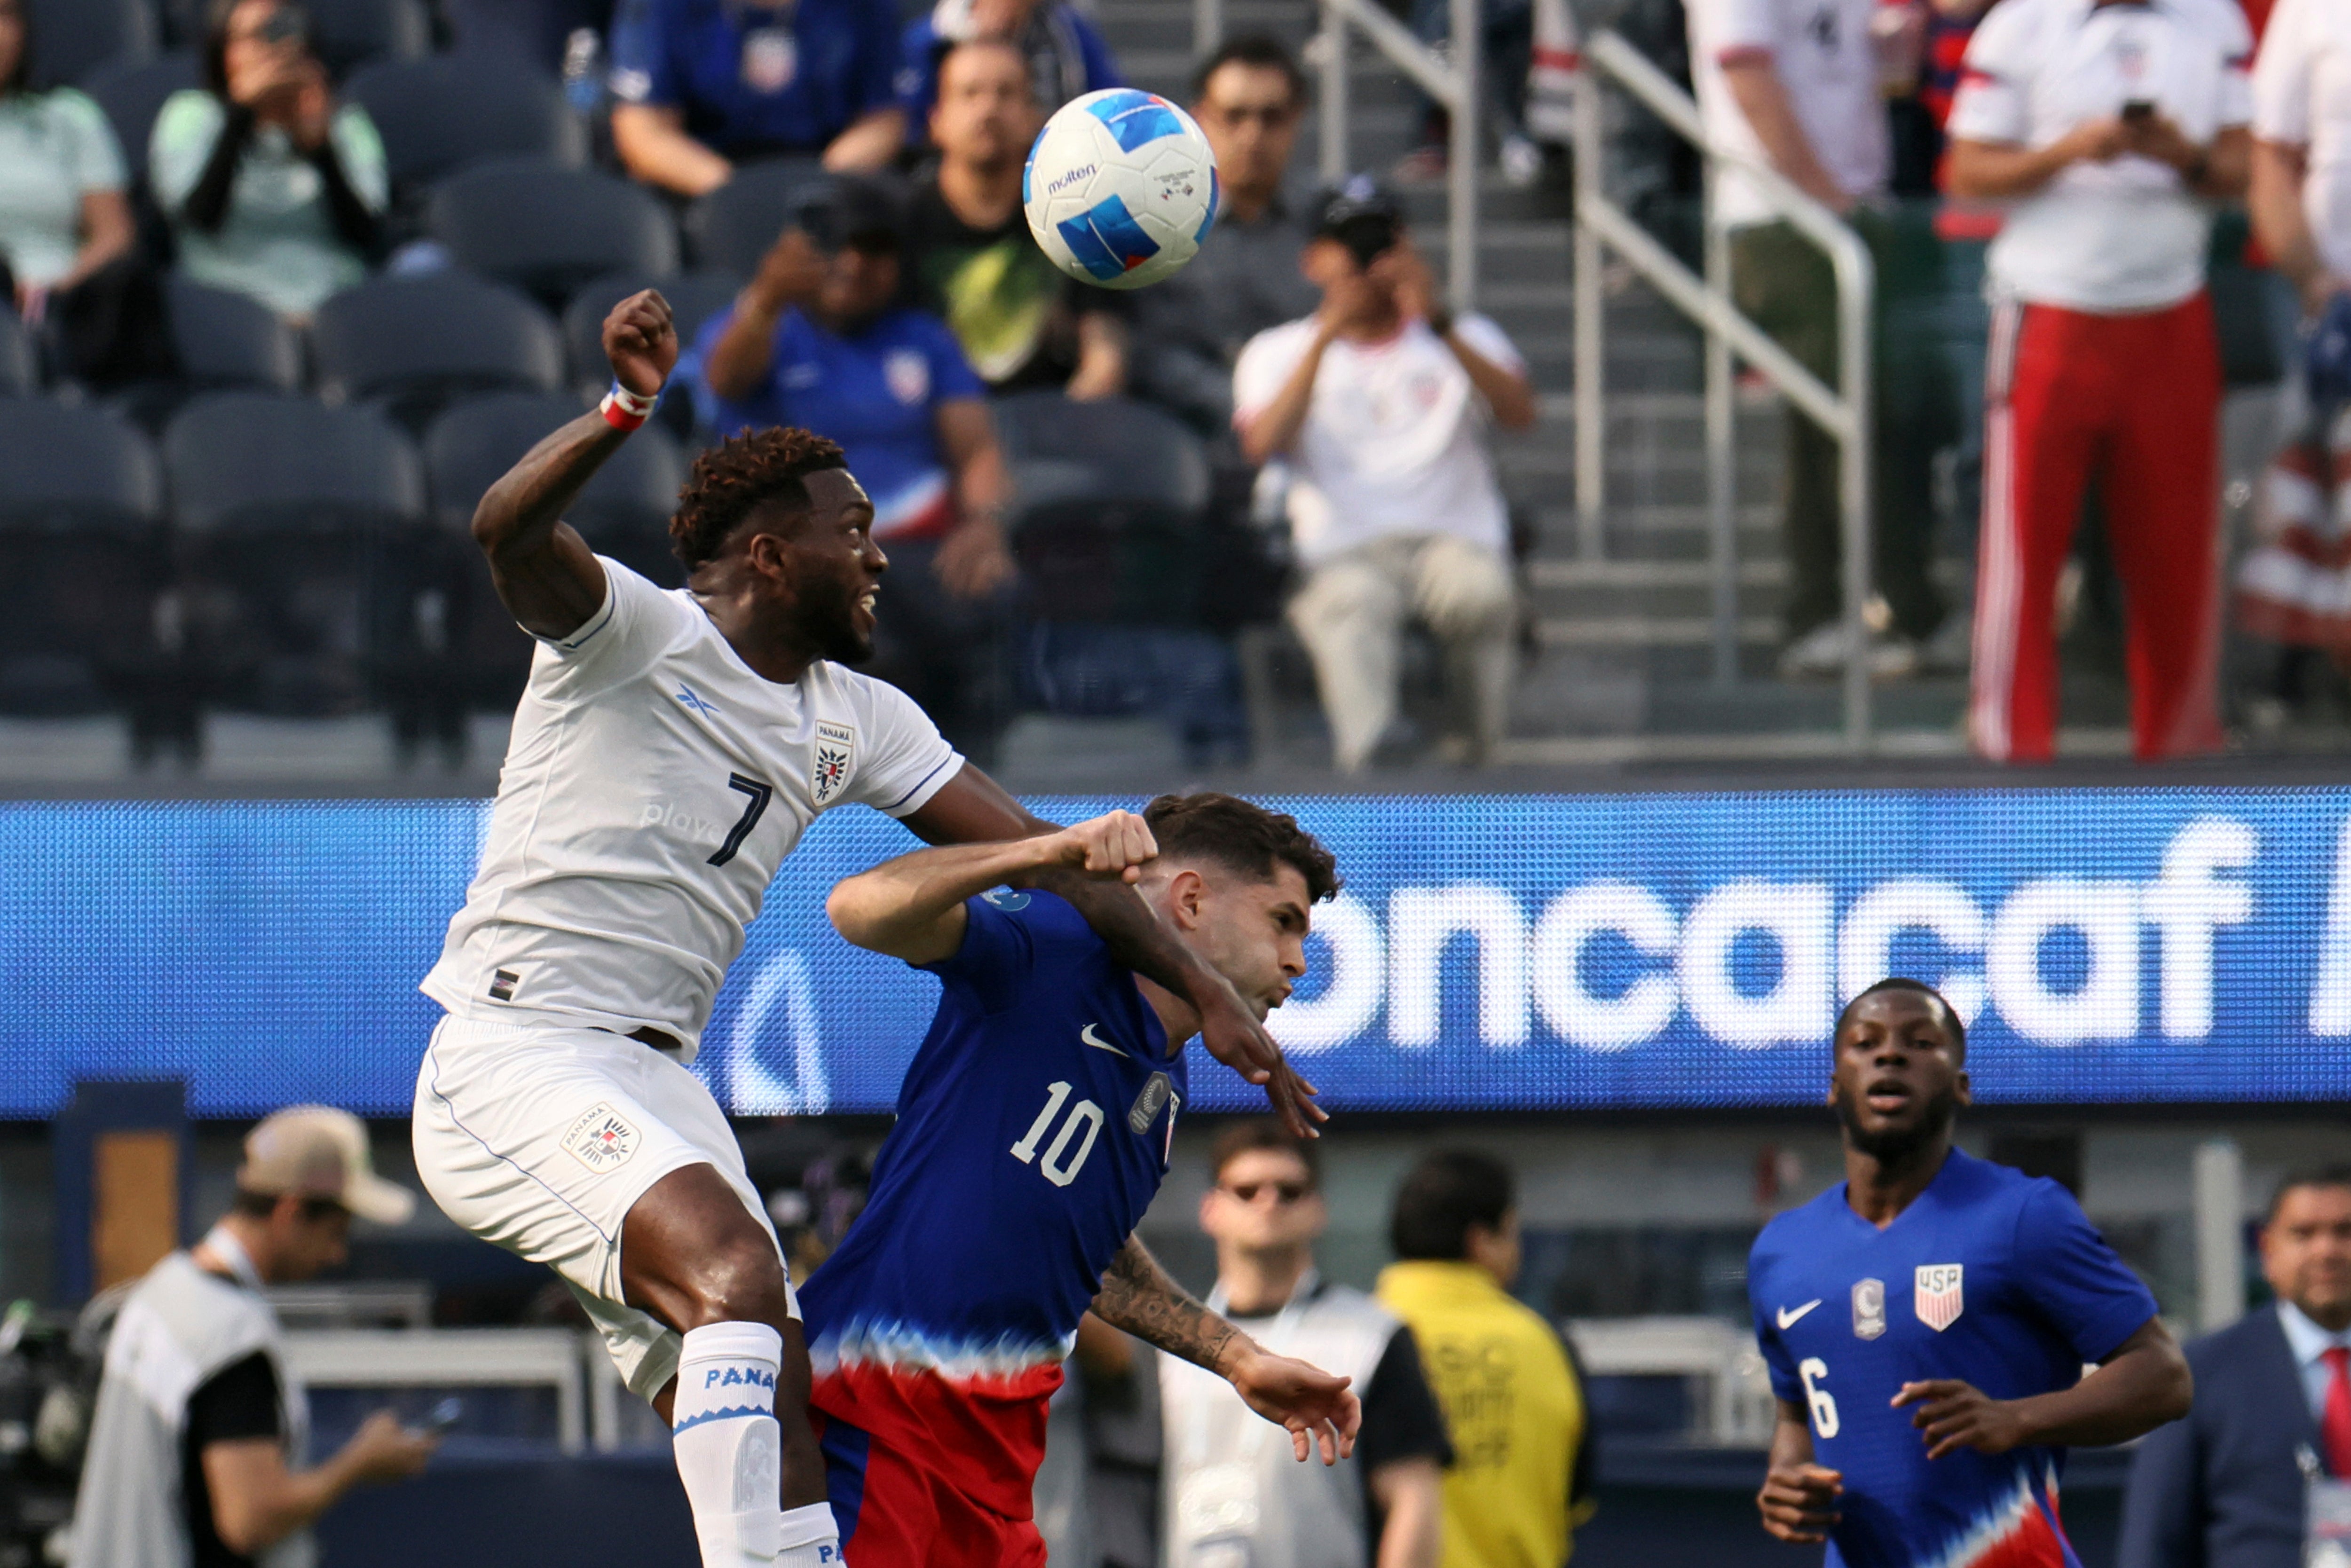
[[1900, 983], [1260, 51], [2306, 1175], [1241, 836], [1442, 1196], [262, 1204], [21, 78], [216, 45], [739, 475], [1263, 1134]]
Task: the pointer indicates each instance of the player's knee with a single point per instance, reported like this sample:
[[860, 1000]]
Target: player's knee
[[739, 1279]]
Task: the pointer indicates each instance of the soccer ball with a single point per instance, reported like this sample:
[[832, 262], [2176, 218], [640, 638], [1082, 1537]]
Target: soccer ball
[[1120, 188]]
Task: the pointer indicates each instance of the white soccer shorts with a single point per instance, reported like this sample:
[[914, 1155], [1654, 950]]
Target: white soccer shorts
[[538, 1138]]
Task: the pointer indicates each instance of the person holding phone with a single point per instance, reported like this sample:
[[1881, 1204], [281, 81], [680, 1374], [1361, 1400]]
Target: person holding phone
[[1377, 405]]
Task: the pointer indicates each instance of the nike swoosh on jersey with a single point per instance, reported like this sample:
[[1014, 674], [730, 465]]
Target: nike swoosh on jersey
[[1788, 1319], [1087, 1034]]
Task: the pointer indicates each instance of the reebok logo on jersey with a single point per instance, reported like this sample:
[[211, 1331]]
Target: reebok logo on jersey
[[694, 700], [836, 753], [1868, 1307], [1936, 1297], [1088, 1035], [601, 1139], [1790, 1317]]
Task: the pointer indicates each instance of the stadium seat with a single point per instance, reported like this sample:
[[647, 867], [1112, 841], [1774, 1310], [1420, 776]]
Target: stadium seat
[[304, 545], [131, 90], [733, 226], [412, 344], [228, 340], [349, 32], [83, 562], [73, 38], [694, 298], [439, 114], [540, 226], [19, 370]]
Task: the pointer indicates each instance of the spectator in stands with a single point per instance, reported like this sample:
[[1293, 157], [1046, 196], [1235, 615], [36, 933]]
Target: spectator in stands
[[1067, 56], [63, 215], [2105, 128], [196, 1446], [1249, 98], [272, 189], [1507, 44], [818, 341], [970, 257], [1378, 403], [1794, 84], [1524, 1466], [1231, 1492], [704, 85]]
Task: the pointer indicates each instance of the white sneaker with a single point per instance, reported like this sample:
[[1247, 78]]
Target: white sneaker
[[1522, 161], [1820, 654]]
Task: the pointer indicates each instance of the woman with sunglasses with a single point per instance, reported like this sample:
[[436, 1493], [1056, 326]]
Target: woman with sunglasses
[[272, 188]]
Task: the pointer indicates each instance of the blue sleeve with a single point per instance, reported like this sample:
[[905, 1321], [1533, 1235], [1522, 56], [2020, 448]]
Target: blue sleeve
[[999, 951], [2087, 1293], [952, 376], [917, 79], [727, 415], [642, 70], [875, 83], [1101, 66], [2164, 1505], [1785, 1383]]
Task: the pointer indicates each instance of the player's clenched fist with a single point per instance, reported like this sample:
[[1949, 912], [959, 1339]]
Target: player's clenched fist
[[640, 340], [1799, 1502], [1115, 845]]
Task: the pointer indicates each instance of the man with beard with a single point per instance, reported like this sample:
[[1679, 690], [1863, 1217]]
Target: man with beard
[[668, 752], [1926, 1324]]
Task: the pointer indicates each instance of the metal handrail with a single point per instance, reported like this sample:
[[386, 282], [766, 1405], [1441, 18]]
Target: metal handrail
[[1601, 225]]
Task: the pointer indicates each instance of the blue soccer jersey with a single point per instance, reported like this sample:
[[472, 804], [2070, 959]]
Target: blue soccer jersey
[[1033, 1128], [1991, 1276]]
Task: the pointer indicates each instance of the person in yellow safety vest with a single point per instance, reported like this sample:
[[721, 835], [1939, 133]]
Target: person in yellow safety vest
[[1523, 1470]]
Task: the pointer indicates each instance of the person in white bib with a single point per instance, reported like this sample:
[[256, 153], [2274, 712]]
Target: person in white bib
[[197, 1448], [1378, 404], [669, 750]]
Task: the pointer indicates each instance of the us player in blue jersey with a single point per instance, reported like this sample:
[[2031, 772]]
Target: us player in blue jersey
[[1034, 1126], [1926, 1323]]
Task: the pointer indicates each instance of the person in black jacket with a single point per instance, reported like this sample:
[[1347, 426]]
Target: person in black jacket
[[2223, 1487]]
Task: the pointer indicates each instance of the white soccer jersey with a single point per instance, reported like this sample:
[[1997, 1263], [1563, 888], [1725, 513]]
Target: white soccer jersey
[[653, 785], [1826, 64], [2105, 237], [2302, 98]]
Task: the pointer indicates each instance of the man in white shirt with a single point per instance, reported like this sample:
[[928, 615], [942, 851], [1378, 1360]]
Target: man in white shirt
[[668, 752], [2107, 126], [1378, 403], [1793, 85], [2225, 1488]]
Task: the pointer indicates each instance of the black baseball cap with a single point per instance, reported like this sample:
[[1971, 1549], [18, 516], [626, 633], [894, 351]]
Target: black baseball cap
[[1350, 202], [864, 210]]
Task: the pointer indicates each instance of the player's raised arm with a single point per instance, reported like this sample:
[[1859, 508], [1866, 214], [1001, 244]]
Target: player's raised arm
[[913, 907], [973, 807], [1317, 1408], [545, 573]]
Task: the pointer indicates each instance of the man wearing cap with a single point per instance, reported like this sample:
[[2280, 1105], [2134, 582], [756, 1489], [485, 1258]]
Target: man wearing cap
[[1378, 403], [818, 341], [196, 1452]]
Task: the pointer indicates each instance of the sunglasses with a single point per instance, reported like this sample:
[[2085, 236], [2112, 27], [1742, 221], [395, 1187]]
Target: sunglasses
[[1284, 1192]]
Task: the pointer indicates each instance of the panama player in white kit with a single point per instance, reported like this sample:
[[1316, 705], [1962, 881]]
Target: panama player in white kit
[[669, 750]]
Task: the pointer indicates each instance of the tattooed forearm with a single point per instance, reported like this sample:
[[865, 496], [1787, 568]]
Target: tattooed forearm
[[1137, 1296]]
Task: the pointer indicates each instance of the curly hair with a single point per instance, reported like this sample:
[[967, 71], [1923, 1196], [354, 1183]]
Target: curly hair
[[1241, 836], [736, 476]]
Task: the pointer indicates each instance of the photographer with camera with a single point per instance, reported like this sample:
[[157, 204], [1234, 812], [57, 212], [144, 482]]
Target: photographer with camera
[[1377, 404]]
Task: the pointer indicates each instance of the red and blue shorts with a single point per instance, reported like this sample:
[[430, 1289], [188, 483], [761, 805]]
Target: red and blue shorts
[[897, 1509], [922, 1473]]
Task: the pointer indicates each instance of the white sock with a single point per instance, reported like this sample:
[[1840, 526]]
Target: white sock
[[729, 1450], [810, 1538]]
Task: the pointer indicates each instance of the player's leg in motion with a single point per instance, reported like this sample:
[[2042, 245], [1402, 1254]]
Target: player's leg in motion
[[693, 1257]]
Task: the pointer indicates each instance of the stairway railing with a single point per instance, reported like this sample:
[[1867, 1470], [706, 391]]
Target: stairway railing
[[1601, 225]]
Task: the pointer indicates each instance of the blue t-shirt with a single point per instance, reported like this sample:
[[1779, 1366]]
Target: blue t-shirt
[[1067, 57], [754, 77], [877, 393], [1033, 1128], [1990, 1276]]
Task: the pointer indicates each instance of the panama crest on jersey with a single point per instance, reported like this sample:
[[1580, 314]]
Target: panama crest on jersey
[[836, 755], [600, 1138], [1935, 1298]]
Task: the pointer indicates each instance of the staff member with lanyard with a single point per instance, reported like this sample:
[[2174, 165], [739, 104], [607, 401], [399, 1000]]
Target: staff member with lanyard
[[196, 1450], [1234, 1500]]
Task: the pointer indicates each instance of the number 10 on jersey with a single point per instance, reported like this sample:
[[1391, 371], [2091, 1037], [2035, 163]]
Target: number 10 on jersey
[[1059, 1165]]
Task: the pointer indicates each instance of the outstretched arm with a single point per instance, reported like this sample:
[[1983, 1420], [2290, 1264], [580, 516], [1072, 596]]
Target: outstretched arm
[[974, 809], [545, 573], [1319, 1411], [913, 907]]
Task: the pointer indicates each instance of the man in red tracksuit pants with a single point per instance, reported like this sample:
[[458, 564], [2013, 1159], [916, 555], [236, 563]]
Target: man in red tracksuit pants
[[2103, 121]]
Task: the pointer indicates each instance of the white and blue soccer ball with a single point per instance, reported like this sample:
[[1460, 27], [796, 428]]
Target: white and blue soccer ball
[[1120, 188]]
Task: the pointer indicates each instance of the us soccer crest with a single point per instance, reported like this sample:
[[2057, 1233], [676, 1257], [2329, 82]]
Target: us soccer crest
[[1868, 1309], [1937, 1297], [908, 375], [836, 753]]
